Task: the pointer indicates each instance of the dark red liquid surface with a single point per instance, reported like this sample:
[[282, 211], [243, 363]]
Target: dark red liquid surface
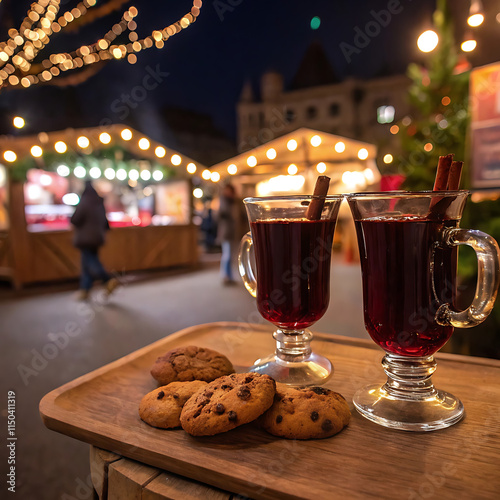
[[293, 270], [407, 275]]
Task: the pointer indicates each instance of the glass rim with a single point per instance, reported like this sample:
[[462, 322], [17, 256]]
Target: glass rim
[[381, 195], [294, 197]]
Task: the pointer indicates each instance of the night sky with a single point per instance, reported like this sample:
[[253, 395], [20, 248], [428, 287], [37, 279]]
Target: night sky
[[207, 64]]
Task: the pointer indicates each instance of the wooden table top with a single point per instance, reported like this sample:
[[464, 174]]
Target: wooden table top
[[364, 460]]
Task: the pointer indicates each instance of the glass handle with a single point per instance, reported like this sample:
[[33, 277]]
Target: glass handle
[[488, 257], [245, 266]]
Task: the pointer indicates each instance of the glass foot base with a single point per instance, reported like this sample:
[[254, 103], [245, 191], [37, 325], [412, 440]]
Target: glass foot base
[[436, 411], [313, 370]]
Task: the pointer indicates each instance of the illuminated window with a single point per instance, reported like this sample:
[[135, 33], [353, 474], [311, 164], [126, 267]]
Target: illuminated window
[[385, 114]]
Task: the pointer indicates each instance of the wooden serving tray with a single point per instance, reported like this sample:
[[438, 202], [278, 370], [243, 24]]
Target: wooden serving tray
[[364, 460]]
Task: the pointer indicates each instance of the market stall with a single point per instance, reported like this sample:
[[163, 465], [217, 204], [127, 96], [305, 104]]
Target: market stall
[[147, 193], [290, 165]]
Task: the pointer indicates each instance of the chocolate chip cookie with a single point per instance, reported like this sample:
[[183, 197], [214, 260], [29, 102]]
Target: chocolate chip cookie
[[306, 413], [162, 407], [190, 363], [228, 402]]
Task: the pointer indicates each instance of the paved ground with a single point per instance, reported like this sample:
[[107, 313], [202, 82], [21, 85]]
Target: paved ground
[[52, 466]]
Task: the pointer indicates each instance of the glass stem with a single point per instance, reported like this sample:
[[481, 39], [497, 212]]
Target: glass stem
[[293, 345], [409, 377]]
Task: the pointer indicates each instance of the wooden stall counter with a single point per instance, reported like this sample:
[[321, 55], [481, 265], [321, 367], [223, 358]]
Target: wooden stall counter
[[363, 461]]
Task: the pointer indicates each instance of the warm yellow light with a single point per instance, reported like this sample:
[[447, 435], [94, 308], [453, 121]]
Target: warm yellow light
[[394, 129], [126, 134], [215, 177], [176, 160], [291, 145], [475, 20], [133, 174], [206, 174], [144, 144], [160, 151], [36, 151], [388, 158], [105, 138], [251, 161], [157, 175], [232, 169], [428, 147], [427, 41], [321, 167], [60, 147], [340, 147], [191, 168], [83, 141], [445, 100], [363, 154], [468, 45], [369, 175], [271, 153], [315, 141], [198, 193], [292, 169], [10, 156], [18, 122]]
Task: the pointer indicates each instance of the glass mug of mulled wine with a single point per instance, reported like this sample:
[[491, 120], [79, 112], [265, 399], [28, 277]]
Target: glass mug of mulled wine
[[408, 246], [292, 281]]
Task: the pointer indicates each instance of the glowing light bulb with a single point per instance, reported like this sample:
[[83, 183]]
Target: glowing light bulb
[[126, 134], [80, 172], [45, 180], [232, 169], [191, 168], [144, 144], [176, 160], [315, 141], [251, 161], [198, 193], [105, 138], [95, 172], [83, 142], [321, 167], [427, 41], [206, 174], [18, 122], [215, 177], [468, 45], [292, 169], [271, 153], [36, 151], [363, 154], [60, 147], [145, 175], [121, 174], [340, 147], [475, 20], [63, 170], [157, 175], [109, 173], [133, 174], [388, 158], [160, 151], [292, 145]]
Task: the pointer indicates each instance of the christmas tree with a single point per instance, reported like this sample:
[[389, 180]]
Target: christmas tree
[[438, 95], [438, 126]]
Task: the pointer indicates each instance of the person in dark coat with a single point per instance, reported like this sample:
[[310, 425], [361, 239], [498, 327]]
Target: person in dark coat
[[227, 231], [91, 225]]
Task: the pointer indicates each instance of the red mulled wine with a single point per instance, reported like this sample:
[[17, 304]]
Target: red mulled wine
[[293, 270], [407, 274]]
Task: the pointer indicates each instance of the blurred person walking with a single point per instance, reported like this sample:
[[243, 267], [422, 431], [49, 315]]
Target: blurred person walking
[[227, 232], [91, 226]]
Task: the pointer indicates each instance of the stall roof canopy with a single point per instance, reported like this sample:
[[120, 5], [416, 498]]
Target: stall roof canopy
[[103, 141], [303, 148]]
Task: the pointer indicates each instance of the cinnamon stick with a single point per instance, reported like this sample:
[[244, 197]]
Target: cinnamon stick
[[318, 201], [443, 171], [454, 176]]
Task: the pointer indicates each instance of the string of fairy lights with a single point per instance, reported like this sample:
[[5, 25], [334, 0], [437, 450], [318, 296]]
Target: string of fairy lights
[[17, 54]]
